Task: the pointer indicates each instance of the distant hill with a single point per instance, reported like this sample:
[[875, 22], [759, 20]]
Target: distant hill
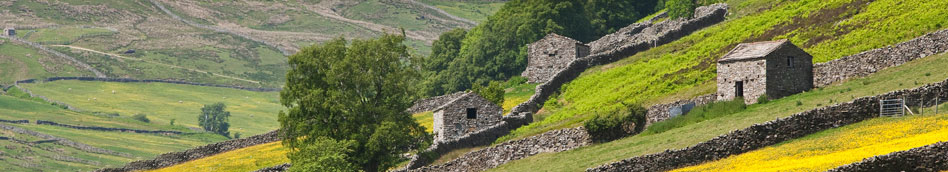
[[223, 42]]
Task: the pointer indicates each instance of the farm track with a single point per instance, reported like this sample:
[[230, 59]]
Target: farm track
[[157, 63]]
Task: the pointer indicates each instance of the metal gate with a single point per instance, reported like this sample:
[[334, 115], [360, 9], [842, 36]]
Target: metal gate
[[892, 107]]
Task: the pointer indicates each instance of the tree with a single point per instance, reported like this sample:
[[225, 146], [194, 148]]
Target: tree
[[680, 8], [346, 105], [214, 118], [493, 92]]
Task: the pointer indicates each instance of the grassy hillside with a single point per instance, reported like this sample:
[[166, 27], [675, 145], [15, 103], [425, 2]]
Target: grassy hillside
[[19, 156], [840, 146], [18, 62], [910, 75], [477, 11], [252, 113], [245, 159], [687, 66]]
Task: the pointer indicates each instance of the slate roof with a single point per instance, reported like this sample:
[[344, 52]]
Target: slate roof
[[752, 50], [557, 36]]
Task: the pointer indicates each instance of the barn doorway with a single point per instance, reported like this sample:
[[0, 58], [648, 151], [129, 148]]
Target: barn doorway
[[739, 89]]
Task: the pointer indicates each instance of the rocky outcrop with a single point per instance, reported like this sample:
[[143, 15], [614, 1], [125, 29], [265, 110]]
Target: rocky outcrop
[[933, 157], [871, 61], [169, 159], [553, 141], [41, 122], [522, 114], [773, 132]]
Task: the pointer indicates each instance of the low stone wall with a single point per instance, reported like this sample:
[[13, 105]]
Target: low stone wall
[[41, 122], [15, 121], [276, 168], [63, 141], [172, 158], [871, 61], [773, 132], [553, 141], [522, 114], [933, 157], [130, 80], [660, 112], [431, 103]]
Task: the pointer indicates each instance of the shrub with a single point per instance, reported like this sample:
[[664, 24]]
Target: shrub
[[610, 126], [680, 8], [515, 81], [799, 103], [141, 117], [172, 121], [700, 113], [494, 92], [236, 135], [763, 99]]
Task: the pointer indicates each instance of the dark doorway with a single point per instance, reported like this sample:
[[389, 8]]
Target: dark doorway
[[471, 113], [739, 89]]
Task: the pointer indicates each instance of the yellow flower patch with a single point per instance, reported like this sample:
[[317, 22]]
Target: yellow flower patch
[[245, 159], [836, 147]]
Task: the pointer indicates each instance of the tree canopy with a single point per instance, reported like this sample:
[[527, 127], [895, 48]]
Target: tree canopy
[[496, 49], [346, 105], [215, 118]]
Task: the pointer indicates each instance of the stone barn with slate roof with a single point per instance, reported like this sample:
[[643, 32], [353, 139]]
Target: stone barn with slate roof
[[551, 54], [465, 114], [9, 31], [775, 68]]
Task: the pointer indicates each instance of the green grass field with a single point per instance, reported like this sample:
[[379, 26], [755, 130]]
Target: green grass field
[[687, 65], [18, 62], [252, 113], [62, 35], [477, 11], [48, 156], [910, 75]]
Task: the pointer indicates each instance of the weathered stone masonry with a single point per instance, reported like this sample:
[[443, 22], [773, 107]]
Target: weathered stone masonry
[[553, 141], [869, 62], [550, 55], [429, 104], [772, 68], [773, 132], [464, 115]]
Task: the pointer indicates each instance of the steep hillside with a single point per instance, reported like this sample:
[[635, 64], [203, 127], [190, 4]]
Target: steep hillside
[[910, 75], [234, 43], [19, 61], [686, 68]]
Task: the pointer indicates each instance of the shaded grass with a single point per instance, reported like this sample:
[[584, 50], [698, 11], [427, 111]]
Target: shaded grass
[[906, 76], [840, 146], [252, 113]]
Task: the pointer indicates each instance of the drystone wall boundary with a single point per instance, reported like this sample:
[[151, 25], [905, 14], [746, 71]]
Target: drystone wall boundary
[[933, 157], [131, 80], [63, 141], [172, 158], [660, 112], [15, 121], [871, 61], [480, 160], [773, 132], [276, 168], [41, 122], [522, 114]]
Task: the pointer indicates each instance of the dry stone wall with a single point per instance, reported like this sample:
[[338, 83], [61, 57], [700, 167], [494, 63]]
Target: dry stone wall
[[773, 132], [172, 158], [871, 61], [661, 112], [480, 160], [933, 157], [63, 141], [128, 80], [522, 114], [41, 122]]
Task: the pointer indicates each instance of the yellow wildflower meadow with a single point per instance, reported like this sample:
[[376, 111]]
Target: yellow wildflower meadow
[[836, 147], [244, 159]]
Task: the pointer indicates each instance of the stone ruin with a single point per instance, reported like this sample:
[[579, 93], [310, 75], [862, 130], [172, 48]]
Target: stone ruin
[[772, 68], [465, 114], [551, 55]]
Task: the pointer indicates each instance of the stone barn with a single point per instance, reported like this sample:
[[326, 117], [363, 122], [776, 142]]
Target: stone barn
[[551, 54], [465, 114], [775, 68], [9, 32]]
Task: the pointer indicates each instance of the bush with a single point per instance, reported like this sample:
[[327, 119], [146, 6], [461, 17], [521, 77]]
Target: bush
[[141, 117], [763, 99], [236, 135], [515, 81], [172, 121], [610, 126], [699, 114], [493, 92], [680, 8]]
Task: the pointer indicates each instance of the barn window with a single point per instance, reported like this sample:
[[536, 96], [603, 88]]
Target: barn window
[[790, 61], [471, 113]]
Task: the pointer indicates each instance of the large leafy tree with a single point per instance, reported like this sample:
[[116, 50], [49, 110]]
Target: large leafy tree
[[497, 48], [215, 118], [346, 103]]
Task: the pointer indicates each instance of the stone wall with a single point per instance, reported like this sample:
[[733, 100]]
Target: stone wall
[[933, 157], [522, 114], [480, 160], [550, 55], [15, 121], [660, 112], [41, 122], [752, 77], [789, 71], [429, 104], [172, 158], [127, 80], [773, 132], [276, 168], [869, 62], [451, 120], [63, 141]]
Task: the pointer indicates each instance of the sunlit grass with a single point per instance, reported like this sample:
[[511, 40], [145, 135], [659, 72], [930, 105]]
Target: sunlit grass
[[244, 159]]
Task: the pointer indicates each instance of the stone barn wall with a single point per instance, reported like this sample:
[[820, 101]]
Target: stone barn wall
[[751, 72], [550, 55], [451, 120], [773, 132], [784, 80]]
